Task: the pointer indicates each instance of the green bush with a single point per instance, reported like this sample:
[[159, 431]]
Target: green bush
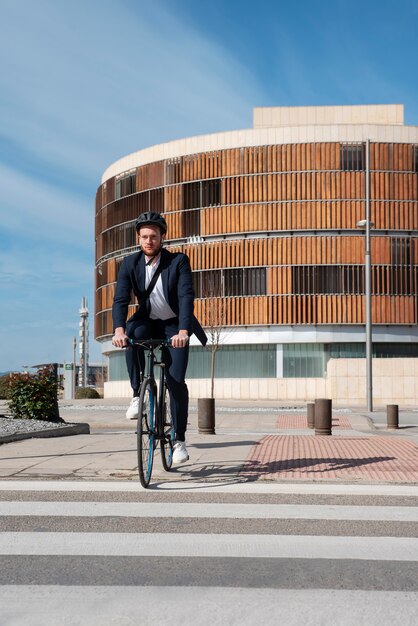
[[5, 387], [83, 393], [35, 396]]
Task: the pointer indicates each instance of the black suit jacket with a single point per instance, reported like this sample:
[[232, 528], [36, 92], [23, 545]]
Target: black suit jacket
[[176, 276]]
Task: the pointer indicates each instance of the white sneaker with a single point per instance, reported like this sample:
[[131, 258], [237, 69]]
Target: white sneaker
[[180, 453], [133, 410]]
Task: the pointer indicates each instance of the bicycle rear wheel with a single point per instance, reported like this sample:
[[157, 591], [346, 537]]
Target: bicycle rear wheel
[[146, 430], [168, 440]]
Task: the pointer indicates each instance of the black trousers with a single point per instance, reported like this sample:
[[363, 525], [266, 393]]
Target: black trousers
[[175, 360]]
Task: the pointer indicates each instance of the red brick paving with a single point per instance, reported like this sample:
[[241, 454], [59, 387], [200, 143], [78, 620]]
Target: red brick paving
[[312, 457], [287, 420]]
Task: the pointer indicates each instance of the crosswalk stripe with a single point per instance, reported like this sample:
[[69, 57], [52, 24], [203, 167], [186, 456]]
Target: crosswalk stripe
[[201, 606], [184, 486], [215, 510], [209, 545]]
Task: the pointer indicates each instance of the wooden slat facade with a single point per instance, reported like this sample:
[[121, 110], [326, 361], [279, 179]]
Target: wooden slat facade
[[278, 201]]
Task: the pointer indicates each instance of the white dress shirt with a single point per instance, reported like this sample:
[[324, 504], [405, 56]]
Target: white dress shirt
[[160, 309]]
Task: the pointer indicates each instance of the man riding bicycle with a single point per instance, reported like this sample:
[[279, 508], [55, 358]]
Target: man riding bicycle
[[162, 284]]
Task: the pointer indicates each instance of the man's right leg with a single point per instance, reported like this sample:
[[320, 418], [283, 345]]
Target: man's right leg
[[135, 362]]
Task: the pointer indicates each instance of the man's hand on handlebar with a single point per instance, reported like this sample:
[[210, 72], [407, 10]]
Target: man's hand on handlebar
[[180, 340], [120, 339]]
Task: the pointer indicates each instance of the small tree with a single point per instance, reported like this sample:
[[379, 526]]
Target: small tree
[[35, 396], [214, 324]]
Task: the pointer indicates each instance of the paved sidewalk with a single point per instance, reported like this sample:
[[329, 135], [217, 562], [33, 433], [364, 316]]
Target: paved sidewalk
[[253, 441]]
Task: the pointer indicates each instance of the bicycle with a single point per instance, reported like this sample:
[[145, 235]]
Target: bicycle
[[155, 422]]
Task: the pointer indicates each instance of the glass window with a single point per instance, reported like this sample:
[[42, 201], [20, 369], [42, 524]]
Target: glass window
[[125, 185], [352, 279], [352, 157], [233, 281], [211, 286], [400, 251], [173, 170], [211, 192], [245, 282], [380, 350], [117, 366], [191, 195], [255, 281], [197, 284], [191, 222], [304, 360], [250, 361], [327, 279]]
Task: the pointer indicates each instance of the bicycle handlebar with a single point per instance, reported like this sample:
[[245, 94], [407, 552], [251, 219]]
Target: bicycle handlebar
[[149, 343]]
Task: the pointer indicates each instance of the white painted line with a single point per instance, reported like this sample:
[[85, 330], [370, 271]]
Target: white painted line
[[49, 605], [184, 486], [209, 545], [210, 510]]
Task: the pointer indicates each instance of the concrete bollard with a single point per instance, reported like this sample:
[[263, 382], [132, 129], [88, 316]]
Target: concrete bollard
[[392, 413], [206, 416], [310, 414], [323, 416]]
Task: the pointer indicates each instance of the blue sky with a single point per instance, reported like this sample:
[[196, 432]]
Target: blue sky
[[84, 83]]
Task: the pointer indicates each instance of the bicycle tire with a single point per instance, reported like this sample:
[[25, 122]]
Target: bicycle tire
[[167, 442], [146, 430]]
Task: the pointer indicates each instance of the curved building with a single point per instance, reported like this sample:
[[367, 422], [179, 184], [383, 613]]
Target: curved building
[[271, 220]]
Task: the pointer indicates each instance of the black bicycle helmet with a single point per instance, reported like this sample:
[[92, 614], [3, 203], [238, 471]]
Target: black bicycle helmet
[[149, 218]]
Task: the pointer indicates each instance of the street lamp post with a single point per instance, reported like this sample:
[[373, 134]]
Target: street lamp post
[[367, 224]]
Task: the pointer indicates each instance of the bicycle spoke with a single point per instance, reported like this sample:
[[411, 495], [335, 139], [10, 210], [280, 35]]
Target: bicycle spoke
[[145, 432], [168, 428]]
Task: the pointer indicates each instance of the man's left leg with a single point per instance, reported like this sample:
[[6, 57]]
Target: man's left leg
[[176, 360]]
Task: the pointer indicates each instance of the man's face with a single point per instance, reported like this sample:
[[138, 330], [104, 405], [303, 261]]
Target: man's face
[[151, 240]]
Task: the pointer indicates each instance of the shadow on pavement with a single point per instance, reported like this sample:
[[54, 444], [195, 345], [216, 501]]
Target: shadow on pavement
[[222, 444], [328, 464]]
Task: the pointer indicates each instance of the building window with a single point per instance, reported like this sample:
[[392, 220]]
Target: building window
[[400, 251], [202, 194], [247, 361], [352, 279], [352, 157], [415, 155], [197, 284], [304, 360], [191, 222], [211, 284], [173, 171], [230, 282], [211, 192], [233, 281], [245, 282], [255, 281], [156, 200], [327, 279], [125, 185], [191, 195]]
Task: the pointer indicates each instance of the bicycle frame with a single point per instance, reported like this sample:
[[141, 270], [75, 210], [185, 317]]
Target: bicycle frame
[[161, 429]]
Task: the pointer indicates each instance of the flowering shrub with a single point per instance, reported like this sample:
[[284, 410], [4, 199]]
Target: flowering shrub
[[35, 396]]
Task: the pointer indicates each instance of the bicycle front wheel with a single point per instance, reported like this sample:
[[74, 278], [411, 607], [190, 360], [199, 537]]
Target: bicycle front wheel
[[146, 430], [167, 441]]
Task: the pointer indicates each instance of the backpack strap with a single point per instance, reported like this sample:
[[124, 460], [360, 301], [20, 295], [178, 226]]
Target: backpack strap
[[152, 284]]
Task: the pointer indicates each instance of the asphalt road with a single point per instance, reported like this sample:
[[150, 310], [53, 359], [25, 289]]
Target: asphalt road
[[100, 553]]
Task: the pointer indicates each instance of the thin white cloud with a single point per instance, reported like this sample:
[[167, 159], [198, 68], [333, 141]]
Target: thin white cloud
[[32, 206], [87, 83]]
